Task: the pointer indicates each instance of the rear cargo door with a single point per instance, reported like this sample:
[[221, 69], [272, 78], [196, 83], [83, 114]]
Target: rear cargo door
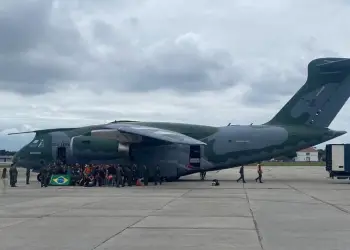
[[329, 157], [338, 158], [195, 156]]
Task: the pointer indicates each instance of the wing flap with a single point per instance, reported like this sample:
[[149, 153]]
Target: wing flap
[[160, 134]]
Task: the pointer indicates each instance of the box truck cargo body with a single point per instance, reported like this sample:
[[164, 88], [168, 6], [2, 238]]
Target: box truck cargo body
[[338, 159]]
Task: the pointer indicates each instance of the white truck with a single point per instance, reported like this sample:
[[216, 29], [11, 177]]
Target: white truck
[[338, 160]]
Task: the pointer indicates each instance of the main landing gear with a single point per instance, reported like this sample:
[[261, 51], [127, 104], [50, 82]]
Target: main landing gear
[[202, 175]]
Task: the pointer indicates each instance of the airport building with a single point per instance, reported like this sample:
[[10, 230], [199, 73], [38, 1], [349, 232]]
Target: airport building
[[308, 154], [5, 159]]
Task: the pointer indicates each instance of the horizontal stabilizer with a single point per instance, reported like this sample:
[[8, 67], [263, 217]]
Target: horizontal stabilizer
[[42, 131], [160, 134]]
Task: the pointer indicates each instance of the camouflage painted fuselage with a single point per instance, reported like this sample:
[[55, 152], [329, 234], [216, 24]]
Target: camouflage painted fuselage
[[301, 123], [227, 147]]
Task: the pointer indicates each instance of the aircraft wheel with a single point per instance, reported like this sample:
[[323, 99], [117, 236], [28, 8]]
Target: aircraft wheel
[[38, 177]]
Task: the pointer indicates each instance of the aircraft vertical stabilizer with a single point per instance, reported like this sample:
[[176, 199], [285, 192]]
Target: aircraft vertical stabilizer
[[320, 99]]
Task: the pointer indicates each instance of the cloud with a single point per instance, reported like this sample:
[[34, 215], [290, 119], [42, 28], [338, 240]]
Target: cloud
[[35, 53], [79, 62]]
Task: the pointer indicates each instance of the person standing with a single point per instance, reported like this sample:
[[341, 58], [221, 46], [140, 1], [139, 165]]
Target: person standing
[[259, 170], [111, 175], [241, 172], [129, 176], [157, 176], [145, 175], [125, 170], [44, 172], [4, 180], [118, 176], [202, 175], [134, 173], [13, 175], [27, 175]]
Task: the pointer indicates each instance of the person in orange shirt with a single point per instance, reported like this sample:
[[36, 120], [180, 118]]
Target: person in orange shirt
[[87, 170], [259, 173]]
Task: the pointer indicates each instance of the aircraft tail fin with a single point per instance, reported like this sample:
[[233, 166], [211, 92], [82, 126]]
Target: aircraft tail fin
[[320, 99]]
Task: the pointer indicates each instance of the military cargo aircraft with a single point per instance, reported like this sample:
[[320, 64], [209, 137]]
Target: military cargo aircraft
[[181, 149]]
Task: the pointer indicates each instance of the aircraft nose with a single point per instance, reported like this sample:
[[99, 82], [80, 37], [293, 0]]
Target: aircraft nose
[[18, 157], [15, 158]]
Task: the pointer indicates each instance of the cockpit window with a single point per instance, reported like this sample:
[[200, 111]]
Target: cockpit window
[[34, 143], [37, 143], [41, 144]]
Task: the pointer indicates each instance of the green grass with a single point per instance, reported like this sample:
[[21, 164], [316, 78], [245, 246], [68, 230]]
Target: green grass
[[291, 164]]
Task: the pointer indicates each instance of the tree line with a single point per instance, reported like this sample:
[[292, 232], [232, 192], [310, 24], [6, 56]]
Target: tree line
[[5, 152]]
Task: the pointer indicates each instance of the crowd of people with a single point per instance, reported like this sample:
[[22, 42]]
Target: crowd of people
[[90, 175], [101, 175]]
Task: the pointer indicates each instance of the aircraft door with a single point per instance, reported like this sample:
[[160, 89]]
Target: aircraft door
[[62, 154], [195, 156]]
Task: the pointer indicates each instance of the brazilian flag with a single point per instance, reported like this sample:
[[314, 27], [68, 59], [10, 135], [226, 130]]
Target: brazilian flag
[[60, 180]]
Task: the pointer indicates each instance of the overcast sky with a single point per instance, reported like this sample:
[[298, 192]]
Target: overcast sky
[[72, 63]]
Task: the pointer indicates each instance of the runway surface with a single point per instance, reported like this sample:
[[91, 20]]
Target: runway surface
[[295, 208]]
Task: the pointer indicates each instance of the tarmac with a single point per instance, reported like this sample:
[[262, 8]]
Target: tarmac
[[295, 208]]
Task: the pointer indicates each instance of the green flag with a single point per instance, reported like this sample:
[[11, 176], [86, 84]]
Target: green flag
[[60, 180]]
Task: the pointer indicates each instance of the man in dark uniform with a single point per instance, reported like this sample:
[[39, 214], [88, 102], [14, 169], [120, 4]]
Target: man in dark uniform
[[49, 174], [102, 174], [97, 175], [157, 176], [128, 175], [44, 176], [134, 173], [241, 172], [145, 174], [202, 175], [118, 176], [124, 175], [16, 174], [13, 175], [27, 175]]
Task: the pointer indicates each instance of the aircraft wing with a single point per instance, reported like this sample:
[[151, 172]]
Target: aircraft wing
[[160, 134], [41, 131]]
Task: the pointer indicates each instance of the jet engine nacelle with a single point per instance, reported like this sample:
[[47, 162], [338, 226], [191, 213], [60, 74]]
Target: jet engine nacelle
[[95, 148]]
